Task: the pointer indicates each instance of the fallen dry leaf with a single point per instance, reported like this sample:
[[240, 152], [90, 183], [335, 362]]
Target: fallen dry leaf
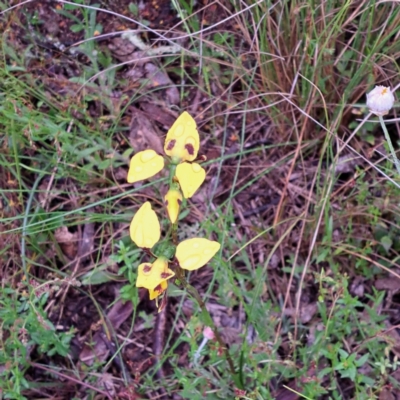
[[288, 392], [86, 242], [391, 283], [386, 394], [142, 134], [106, 382], [67, 241], [306, 312], [159, 114], [160, 78], [97, 347]]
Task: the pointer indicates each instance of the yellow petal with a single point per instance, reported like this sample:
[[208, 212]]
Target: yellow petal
[[162, 287], [151, 275], [194, 253], [190, 177], [145, 228], [144, 164], [182, 142], [173, 200]]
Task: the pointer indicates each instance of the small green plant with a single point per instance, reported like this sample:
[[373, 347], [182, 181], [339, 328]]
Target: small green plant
[[25, 328], [172, 257]]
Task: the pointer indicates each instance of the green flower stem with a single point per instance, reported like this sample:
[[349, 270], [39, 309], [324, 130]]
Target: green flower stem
[[389, 142], [172, 169], [193, 291], [174, 233], [180, 276]]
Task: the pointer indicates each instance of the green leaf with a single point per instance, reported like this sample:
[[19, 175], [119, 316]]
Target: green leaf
[[133, 8], [343, 354], [98, 278], [99, 28], [76, 28], [205, 318], [100, 275], [386, 242], [362, 360], [104, 164], [324, 372], [367, 380]]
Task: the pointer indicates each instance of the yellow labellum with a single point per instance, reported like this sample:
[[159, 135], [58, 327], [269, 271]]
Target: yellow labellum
[[151, 275], [182, 142], [145, 228], [194, 253], [143, 165], [190, 177], [173, 201], [161, 288]]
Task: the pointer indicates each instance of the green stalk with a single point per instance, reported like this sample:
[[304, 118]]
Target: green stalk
[[181, 280], [389, 142], [172, 170]]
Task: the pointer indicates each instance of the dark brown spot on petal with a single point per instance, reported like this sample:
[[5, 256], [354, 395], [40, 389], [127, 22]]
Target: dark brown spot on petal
[[147, 268], [165, 275], [158, 288], [190, 149], [179, 201], [171, 144]]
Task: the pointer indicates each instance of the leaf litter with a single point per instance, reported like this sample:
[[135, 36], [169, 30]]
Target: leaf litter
[[103, 333]]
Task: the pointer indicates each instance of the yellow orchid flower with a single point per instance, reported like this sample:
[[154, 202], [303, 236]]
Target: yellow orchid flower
[[143, 165], [182, 142], [173, 201], [145, 228], [194, 253], [190, 177], [152, 275], [157, 291]]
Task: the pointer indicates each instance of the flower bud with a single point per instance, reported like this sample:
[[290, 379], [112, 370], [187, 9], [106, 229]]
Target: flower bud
[[208, 333], [380, 100], [173, 200]]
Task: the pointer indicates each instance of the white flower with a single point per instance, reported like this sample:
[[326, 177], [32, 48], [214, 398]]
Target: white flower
[[380, 100]]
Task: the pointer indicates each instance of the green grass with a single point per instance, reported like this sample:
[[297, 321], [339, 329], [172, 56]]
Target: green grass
[[298, 290]]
